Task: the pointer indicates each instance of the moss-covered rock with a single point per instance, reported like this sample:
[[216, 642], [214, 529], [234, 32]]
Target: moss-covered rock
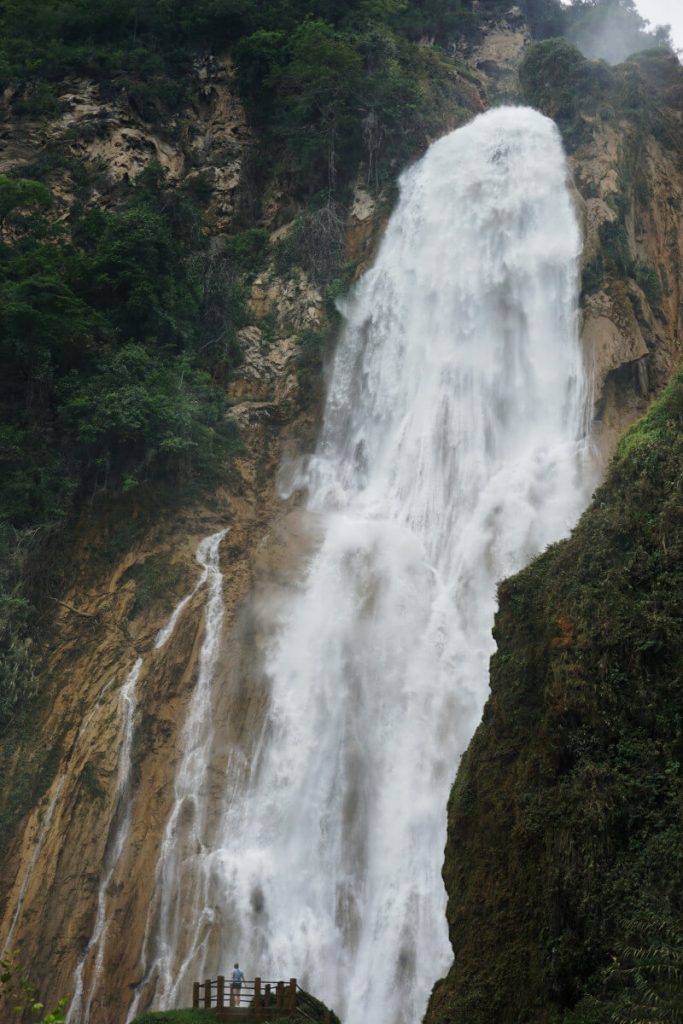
[[564, 859], [177, 1017]]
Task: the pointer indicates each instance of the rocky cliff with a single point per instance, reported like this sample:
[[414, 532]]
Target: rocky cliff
[[116, 573], [563, 854]]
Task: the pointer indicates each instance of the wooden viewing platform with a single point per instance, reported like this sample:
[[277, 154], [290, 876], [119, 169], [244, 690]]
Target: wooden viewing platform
[[259, 1001]]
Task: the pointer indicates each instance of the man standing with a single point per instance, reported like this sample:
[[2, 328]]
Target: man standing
[[236, 986]]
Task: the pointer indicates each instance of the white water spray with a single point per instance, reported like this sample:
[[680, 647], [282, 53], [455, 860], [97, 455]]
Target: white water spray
[[451, 453]]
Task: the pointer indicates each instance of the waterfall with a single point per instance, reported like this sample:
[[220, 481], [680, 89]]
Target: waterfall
[[41, 836], [87, 974], [452, 451], [85, 986], [182, 910]]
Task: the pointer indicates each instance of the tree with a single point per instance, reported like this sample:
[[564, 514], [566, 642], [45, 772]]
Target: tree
[[21, 194], [19, 994]]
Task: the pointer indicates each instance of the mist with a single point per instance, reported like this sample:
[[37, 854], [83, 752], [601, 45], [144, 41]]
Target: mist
[[613, 30]]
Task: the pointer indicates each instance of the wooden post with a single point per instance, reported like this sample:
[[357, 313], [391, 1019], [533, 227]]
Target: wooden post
[[195, 996], [280, 995], [220, 991], [292, 995], [257, 992], [267, 996], [207, 993]]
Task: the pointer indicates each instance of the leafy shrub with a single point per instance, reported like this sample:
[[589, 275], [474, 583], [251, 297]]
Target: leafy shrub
[[559, 81], [38, 100], [21, 194], [20, 996], [647, 277], [249, 249]]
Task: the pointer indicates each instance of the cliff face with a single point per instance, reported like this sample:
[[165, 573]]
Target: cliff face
[[123, 568], [562, 862], [622, 127]]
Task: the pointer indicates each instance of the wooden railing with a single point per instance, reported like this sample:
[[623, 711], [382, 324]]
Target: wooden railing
[[257, 999]]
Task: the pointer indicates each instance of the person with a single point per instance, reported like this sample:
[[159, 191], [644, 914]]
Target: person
[[236, 986]]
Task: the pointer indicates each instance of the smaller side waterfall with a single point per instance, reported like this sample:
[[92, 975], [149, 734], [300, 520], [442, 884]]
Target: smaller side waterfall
[[180, 886], [89, 968], [85, 985], [39, 842], [48, 817]]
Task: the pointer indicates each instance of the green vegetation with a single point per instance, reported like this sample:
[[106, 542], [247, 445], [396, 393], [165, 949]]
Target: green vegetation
[[158, 580], [315, 244], [107, 379], [328, 96], [564, 861], [326, 83], [559, 81], [311, 1009], [177, 1017], [19, 995], [249, 250]]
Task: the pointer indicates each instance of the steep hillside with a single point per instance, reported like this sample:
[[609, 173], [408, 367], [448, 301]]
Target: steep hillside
[[563, 863]]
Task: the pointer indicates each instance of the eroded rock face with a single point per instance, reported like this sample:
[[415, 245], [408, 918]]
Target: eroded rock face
[[631, 320], [497, 56], [209, 137]]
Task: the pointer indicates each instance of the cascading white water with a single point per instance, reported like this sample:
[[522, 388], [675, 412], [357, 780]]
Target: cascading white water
[[46, 824], [28, 873], [180, 881], [87, 974], [452, 451], [92, 959]]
